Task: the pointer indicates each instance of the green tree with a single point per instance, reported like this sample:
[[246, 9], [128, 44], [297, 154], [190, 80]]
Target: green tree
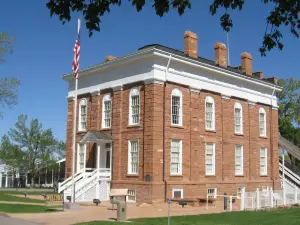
[[283, 13], [29, 147], [8, 86], [289, 117]]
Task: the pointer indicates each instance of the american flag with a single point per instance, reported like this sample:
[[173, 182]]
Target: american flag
[[76, 50]]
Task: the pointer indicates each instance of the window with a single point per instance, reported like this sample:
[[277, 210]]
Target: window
[[176, 157], [212, 192], [133, 157], [134, 106], [210, 158], [131, 197], [239, 192], [263, 161], [106, 111], [177, 193], [262, 122], [238, 118], [82, 114], [239, 162], [209, 113], [80, 157], [176, 107]]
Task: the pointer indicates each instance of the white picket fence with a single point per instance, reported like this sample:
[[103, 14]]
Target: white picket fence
[[269, 198]]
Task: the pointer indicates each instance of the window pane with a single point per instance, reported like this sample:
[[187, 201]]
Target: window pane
[[175, 109], [135, 109], [209, 115], [175, 157], [177, 194], [107, 114], [134, 156]]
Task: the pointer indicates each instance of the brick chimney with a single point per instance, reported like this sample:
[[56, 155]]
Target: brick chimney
[[191, 44], [109, 58], [220, 54], [246, 65]]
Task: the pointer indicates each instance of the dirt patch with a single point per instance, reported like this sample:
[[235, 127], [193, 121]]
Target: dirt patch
[[37, 197], [3, 214]]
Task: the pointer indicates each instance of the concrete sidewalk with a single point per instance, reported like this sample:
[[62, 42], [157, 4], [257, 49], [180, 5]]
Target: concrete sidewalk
[[104, 213], [13, 221]]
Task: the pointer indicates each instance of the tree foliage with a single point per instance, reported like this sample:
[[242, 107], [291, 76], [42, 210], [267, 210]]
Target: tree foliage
[[289, 116], [284, 13], [8, 86], [29, 147]]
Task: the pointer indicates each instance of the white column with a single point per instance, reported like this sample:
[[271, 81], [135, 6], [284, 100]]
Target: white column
[[110, 164], [98, 166], [257, 198], [6, 180], [0, 180], [283, 180], [46, 177], [230, 204], [295, 195], [243, 199], [26, 180], [271, 198]]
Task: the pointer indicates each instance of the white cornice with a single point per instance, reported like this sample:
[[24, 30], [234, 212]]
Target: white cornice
[[154, 80], [251, 102], [70, 98], [95, 93], [194, 90], [118, 88], [225, 96], [116, 62]]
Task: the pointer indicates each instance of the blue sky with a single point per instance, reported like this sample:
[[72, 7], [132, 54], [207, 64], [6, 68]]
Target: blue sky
[[43, 49]]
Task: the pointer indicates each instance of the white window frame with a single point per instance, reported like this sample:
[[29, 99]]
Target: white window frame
[[83, 102], [213, 172], [78, 158], [262, 111], [238, 105], [241, 172], [265, 173], [106, 98], [134, 92], [176, 93], [129, 170], [209, 195], [239, 192], [177, 189], [180, 157], [127, 197], [210, 99]]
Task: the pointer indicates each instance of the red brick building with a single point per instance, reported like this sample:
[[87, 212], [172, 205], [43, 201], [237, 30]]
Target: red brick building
[[166, 123]]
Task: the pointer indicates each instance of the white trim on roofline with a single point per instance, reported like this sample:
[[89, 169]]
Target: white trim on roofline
[[153, 51]]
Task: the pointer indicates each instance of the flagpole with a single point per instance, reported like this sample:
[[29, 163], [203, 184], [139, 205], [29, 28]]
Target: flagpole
[[74, 132]]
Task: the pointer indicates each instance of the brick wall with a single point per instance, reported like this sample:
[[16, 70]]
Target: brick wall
[[155, 133]]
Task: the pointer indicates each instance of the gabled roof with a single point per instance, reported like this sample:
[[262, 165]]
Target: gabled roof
[[289, 147]]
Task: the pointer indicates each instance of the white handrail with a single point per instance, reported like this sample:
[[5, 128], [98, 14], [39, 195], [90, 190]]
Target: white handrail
[[293, 176]]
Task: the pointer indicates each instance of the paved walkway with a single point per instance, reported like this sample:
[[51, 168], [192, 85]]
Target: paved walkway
[[104, 212], [13, 221]]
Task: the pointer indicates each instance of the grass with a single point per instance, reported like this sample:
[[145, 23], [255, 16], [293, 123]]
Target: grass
[[275, 217], [18, 208], [5, 196]]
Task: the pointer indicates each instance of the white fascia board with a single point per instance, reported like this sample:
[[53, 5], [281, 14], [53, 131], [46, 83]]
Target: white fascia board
[[115, 62], [214, 69]]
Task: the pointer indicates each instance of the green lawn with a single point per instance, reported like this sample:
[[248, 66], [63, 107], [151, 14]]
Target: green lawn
[[16, 208], [4, 196], [276, 217]]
